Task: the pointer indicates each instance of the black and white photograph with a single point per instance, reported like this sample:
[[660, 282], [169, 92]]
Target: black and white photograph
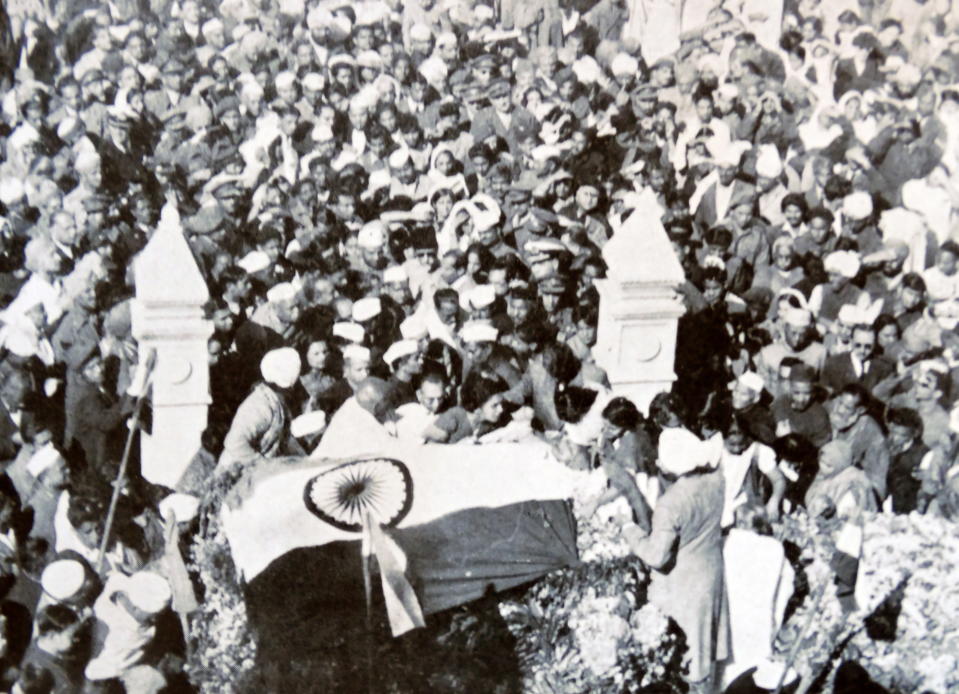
[[479, 346]]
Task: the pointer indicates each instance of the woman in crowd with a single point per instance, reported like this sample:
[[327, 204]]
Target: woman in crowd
[[482, 412]]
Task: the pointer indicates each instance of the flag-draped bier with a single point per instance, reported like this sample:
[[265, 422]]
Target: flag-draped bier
[[452, 522]]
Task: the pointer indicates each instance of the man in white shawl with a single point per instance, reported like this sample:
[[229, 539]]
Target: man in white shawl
[[365, 423]]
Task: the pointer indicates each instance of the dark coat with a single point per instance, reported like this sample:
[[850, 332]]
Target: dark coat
[[101, 432], [838, 372]]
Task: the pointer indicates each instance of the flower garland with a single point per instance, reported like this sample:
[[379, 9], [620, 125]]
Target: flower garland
[[923, 551], [585, 628], [905, 629], [590, 627], [224, 650]]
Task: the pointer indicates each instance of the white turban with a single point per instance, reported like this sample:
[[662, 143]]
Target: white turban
[[846, 263], [624, 64], [284, 80], [420, 32], [317, 18], [729, 154], [399, 157], [477, 331], [372, 235], [860, 314], [857, 205], [11, 190], [768, 163], [211, 26], [281, 367], [285, 291], [681, 451]]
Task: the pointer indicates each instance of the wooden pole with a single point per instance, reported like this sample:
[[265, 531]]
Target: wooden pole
[[124, 462], [794, 651]]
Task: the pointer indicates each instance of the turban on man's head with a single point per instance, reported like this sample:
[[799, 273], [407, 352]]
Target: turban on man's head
[[857, 206], [681, 451], [281, 367], [846, 263]]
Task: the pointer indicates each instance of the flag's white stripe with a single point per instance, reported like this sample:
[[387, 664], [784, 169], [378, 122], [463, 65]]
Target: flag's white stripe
[[273, 520]]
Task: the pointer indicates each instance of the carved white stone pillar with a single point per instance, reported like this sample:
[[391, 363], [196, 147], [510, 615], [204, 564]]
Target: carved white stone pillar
[[639, 309], [167, 316]]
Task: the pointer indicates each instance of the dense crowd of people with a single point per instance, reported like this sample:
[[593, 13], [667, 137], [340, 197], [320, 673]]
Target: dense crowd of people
[[400, 210]]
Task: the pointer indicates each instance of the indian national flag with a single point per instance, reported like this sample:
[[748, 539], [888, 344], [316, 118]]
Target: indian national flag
[[446, 523]]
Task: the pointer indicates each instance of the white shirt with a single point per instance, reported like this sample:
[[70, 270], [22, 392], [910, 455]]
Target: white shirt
[[126, 639], [724, 195], [735, 468], [941, 287], [353, 430], [414, 418]]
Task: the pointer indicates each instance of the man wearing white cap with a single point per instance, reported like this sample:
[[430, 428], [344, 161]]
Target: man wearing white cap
[[214, 37], [40, 485], [366, 309], [405, 362], [273, 325], [484, 355], [713, 197], [128, 610], [479, 302], [356, 365], [769, 185], [396, 286], [370, 243], [403, 179], [857, 222], [261, 426], [797, 341], [746, 401], [69, 581], [826, 299], [417, 35], [313, 85], [88, 166]]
